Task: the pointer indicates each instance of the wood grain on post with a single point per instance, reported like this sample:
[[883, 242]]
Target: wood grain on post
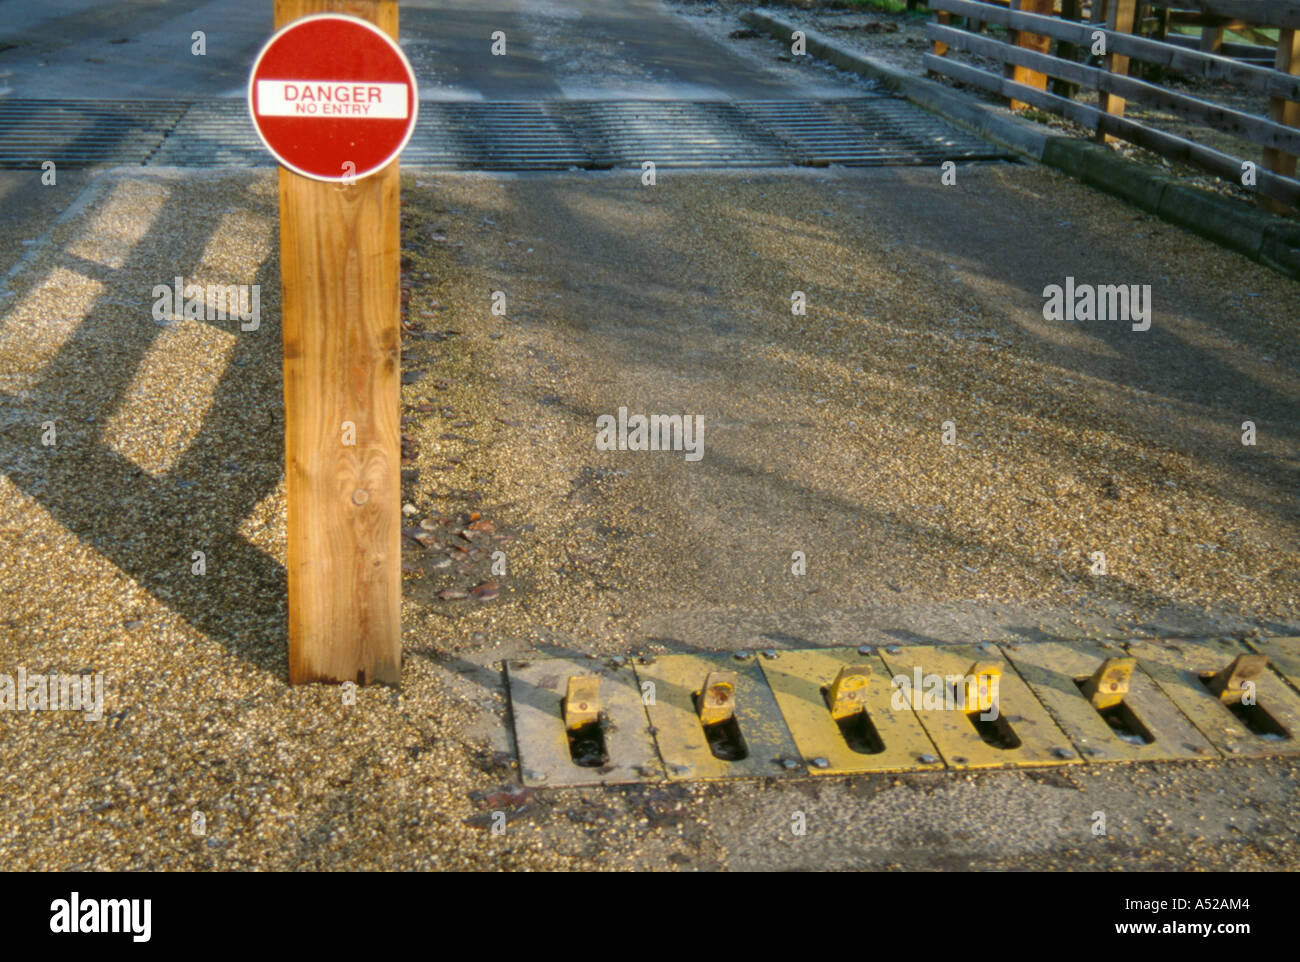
[[1283, 112], [340, 249], [1122, 16], [1033, 41]]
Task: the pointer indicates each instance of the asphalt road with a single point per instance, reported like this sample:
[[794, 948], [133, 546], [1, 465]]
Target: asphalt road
[[588, 49]]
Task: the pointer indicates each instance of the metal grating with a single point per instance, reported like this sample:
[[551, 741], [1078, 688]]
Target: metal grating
[[863, 131], [212, 133], [493, 136], [673, 134], [81, 133]]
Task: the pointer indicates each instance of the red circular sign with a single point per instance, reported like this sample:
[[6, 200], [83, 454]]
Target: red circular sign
[[333, 97]]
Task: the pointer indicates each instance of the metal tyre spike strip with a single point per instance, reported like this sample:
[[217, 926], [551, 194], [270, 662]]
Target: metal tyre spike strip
[[838, 711], [542, 733], [1011, 729], [1144, 725], [674, 707], [880, 737], [1265, 723]]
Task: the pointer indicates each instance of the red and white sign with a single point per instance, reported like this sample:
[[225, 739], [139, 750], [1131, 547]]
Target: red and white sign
[[333, 97]]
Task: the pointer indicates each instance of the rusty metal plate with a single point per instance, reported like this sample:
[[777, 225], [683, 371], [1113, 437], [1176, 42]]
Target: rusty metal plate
[[888, 739], [1283, 655], [683, 742], [1021, 734], [1181, 667], [1144, 726], [537, 692]]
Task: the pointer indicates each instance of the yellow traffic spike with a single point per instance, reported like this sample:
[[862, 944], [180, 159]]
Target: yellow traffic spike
[[982, 680], [718, 697], [848, 692], [1229, 683], [1109, 683], [581, 701]]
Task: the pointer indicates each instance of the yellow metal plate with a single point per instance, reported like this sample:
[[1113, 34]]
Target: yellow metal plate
[[1178, 666], [959, 740], [1283, 655], [798, 680], [1051, 669], [683, 745], [537, 691]]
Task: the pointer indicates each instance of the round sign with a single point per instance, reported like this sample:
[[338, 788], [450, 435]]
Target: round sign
[[333, 97]]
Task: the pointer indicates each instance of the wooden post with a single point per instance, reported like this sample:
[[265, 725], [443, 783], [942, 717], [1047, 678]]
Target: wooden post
[[1283, 112], [1122, 14], [1033, 41], [1070, 10], [340, 250], [1211, 37], [939, 48]]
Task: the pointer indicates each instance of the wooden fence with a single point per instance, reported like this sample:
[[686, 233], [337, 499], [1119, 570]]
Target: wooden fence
[[1028, 62]]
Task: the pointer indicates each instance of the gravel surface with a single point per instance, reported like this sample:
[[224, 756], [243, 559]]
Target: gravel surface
[[822, 435]]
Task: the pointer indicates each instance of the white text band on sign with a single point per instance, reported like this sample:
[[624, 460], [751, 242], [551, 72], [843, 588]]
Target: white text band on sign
[[332, 98]]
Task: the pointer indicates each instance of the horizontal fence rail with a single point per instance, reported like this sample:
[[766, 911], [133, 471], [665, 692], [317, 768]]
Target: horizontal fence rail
[[1027, 63]]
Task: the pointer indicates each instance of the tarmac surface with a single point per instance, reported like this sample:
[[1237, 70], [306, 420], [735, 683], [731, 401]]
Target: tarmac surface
[[575, 49]]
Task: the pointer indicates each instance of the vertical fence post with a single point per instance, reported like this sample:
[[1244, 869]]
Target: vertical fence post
[[339, 260], [1033, 41], [1070, 10], [1283, 111], [939, 48], [1121, 17]]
